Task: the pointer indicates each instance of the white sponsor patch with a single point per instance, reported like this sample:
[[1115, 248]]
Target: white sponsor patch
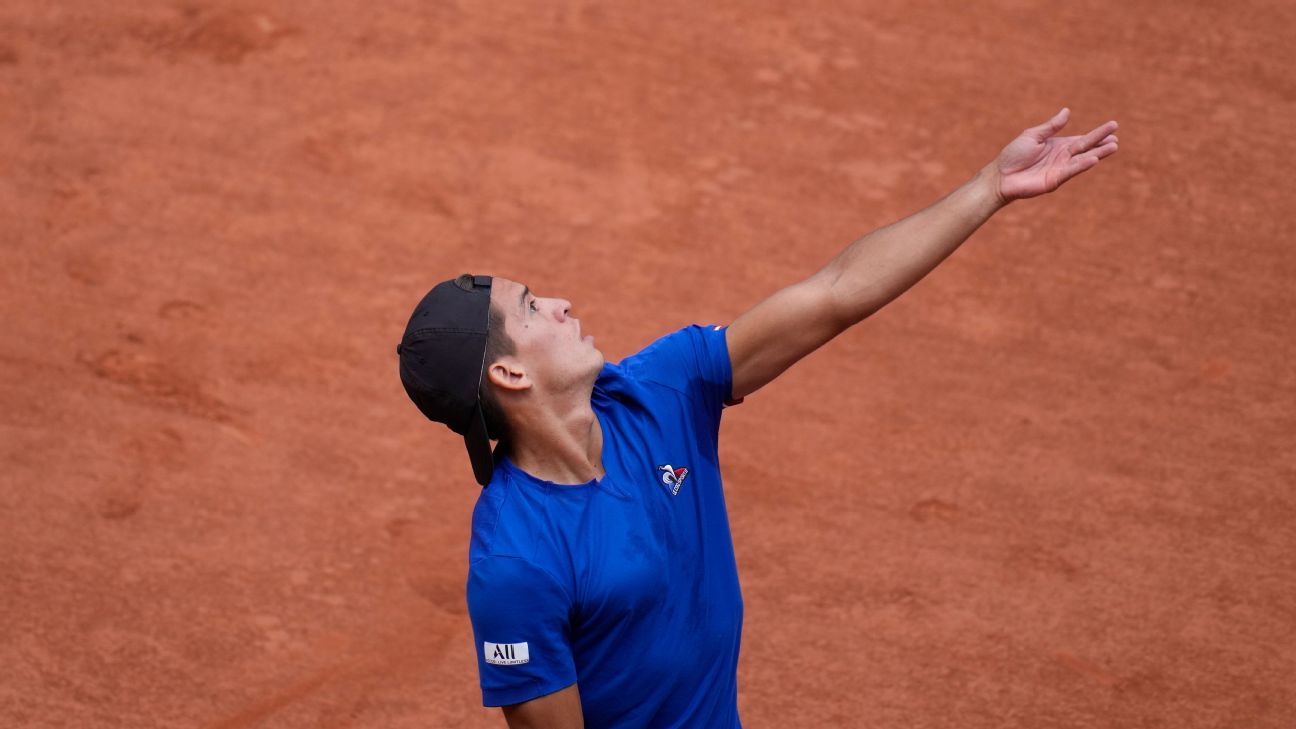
[[506, 654]]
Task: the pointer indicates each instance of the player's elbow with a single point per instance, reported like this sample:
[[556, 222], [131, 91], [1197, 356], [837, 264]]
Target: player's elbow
[[847, 303]]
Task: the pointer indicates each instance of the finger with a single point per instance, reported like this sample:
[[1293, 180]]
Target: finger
[[1088, 141], [1078, 165], [1083, 162], [1050, 127]]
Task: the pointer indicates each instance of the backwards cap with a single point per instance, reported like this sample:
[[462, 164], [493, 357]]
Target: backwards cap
[[442, 358]]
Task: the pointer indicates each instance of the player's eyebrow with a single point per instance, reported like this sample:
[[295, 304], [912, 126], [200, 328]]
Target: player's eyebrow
[[526, 291]]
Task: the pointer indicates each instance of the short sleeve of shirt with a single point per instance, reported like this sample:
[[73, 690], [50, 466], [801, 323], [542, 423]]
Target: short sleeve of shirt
[[521, 625], [693, 360]]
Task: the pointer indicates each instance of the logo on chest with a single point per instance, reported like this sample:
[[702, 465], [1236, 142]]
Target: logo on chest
[[672, 478]]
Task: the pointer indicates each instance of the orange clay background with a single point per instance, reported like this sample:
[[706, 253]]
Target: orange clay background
[[1050, 486]]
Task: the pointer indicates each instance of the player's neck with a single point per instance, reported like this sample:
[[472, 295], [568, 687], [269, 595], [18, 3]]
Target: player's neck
[[562, 443]]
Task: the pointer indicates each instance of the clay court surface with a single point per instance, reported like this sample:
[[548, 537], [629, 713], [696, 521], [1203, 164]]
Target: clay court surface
[[1050, 486]]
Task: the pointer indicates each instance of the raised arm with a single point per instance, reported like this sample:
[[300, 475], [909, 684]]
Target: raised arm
[[871, 272]]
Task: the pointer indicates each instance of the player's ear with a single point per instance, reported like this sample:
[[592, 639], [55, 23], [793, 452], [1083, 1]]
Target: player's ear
[[508, 374]]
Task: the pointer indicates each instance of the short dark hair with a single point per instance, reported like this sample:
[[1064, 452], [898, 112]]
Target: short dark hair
[[498, 344]]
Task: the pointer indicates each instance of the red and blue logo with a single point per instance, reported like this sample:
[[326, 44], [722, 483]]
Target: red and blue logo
[[672, 478]]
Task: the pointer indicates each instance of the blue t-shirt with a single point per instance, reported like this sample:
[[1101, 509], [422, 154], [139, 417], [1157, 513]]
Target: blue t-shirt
[[626, 584]]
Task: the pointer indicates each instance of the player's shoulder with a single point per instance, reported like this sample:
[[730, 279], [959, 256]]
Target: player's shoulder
[[518, 569], [669, 343], [516, 520], [672, 349], [502, 522]]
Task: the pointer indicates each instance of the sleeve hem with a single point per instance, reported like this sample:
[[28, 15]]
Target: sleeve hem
[[727, 365], [534, 690]]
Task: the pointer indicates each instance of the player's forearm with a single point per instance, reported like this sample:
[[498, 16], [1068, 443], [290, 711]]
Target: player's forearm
[[877, 268]]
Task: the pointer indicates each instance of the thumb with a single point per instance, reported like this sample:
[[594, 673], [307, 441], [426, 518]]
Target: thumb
[[1050, 127]]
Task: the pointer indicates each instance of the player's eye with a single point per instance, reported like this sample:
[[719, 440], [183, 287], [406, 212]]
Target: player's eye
[[533, 306]]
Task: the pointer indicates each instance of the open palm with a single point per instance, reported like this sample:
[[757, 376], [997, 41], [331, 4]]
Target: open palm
[[1038, 162]]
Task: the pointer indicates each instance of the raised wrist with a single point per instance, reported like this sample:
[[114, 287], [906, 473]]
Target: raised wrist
[[987, 186]]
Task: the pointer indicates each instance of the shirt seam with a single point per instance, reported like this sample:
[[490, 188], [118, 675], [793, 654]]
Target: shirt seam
[[498, 511], [534, 565]]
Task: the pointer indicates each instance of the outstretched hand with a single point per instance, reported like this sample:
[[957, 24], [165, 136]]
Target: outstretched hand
[[1038, 162]]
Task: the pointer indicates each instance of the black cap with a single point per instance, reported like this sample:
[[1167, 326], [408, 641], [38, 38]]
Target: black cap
[[442, 360]]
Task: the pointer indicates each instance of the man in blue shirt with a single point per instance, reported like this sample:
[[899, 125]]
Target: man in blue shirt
[[602, 585]]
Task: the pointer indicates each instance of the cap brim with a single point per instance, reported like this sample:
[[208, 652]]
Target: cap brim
[[479, 447]]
